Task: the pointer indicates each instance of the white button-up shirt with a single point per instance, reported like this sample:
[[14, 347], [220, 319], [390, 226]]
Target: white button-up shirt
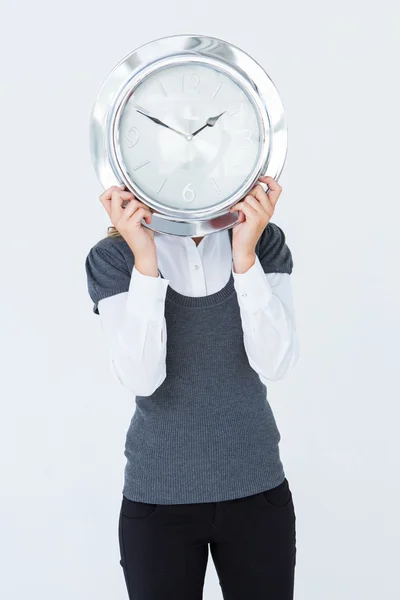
[[134, 321]]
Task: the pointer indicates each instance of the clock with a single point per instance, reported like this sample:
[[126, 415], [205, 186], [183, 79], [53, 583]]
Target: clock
[[188, 123]]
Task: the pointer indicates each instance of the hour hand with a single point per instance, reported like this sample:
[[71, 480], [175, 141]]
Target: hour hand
[[156, 120], [209, 123]]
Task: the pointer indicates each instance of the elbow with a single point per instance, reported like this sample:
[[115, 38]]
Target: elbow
[[146, 387], [288, 360], [137, 381], [287, 365]]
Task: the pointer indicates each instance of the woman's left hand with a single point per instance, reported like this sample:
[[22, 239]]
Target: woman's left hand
[[256, 210]]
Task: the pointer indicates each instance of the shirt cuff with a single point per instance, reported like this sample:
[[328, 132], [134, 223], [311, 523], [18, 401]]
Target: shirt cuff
[[253, 288], [147, 294]]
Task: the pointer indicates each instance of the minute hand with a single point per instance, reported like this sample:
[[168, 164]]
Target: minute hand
[[185, 135], [209, 123]]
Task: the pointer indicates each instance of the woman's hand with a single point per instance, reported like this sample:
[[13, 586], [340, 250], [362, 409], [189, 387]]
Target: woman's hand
[[128, 221], [256, 209]]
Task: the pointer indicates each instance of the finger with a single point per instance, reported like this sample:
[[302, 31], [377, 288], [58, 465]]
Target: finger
[[148, 218], [115, 204], [246, 208], [250, 199], [262, 197], [269, 180], [124, 195], [274, 189], [132, 207], [139, 214], [112, 206], [106, 195], [263, 207], [106, 198]]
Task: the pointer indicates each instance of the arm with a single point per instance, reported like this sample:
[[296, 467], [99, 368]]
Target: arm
[[268, 320], [266, 306], [135, 328], [131, 309]]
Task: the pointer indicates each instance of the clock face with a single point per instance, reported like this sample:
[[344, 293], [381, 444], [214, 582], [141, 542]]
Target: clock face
[[170, 152]]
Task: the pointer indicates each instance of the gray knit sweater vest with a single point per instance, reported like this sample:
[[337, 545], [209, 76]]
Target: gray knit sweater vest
[[207, 433]]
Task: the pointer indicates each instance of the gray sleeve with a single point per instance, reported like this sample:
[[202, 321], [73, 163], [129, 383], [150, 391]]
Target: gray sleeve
[[107, 274], [274, 253]]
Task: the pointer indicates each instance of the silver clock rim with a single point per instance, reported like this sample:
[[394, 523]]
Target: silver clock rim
[[166, 51]]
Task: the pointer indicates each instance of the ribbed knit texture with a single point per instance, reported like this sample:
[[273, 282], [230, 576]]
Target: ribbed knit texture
[[207, 433]]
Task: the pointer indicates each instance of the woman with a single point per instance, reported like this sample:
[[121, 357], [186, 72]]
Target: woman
[[196, 327]]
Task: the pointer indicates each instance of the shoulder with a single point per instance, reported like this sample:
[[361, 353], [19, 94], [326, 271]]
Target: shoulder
[[112, 246], [108, 266], [111, 252], [273, 251]]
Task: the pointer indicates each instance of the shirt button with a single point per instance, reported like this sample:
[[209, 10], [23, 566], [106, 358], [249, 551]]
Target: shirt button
[[196, 267], [244, 294]]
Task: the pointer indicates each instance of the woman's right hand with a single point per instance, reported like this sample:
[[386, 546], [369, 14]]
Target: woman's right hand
[[128, 221]]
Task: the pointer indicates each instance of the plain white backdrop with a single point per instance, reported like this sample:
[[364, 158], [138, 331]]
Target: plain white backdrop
[[64, 418]]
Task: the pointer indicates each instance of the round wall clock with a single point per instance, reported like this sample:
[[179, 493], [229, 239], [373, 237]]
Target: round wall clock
[[188, 123]]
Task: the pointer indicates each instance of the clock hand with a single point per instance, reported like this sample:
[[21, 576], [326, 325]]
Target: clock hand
[[146, 114], [209, 123]]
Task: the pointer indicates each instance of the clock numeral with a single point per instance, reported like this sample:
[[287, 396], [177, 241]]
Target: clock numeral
[[247, 136], [194, 82], [133, 136], [188, 194]]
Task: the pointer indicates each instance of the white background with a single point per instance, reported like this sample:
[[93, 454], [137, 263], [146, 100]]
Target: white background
[[64, 418]]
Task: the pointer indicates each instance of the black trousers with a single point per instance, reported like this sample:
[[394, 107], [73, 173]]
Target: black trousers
[[164, 547]]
